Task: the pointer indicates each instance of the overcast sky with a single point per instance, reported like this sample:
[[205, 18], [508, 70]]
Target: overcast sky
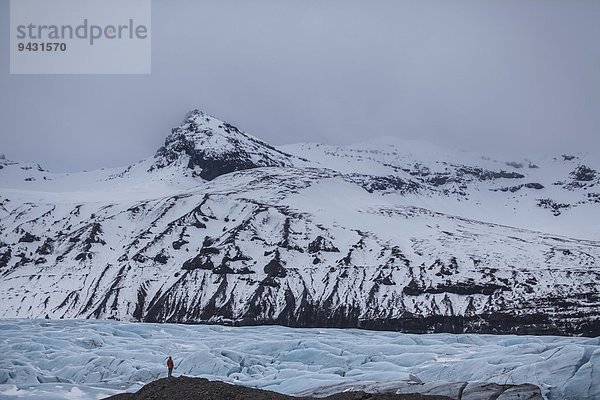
[[472, 74]]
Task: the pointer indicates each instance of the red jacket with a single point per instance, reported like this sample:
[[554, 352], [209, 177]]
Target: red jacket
[[170, 363]]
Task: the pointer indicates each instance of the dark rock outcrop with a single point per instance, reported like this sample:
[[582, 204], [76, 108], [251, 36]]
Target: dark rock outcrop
[[185, 388], [552, 205], [28, 238], [584, 174]]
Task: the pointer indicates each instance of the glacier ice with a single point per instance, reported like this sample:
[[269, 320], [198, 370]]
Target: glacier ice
[[77, 359]]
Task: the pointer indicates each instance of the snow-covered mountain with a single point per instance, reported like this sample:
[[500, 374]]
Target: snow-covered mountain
[[220, 226]]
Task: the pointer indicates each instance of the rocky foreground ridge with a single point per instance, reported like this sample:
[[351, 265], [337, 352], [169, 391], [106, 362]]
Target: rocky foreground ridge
[[186, 388], [221, 227]]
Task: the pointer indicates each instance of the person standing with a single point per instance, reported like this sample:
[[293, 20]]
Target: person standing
[[170, 366]]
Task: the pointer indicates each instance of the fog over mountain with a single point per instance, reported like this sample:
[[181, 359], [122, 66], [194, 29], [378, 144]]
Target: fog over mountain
[[511, 75]]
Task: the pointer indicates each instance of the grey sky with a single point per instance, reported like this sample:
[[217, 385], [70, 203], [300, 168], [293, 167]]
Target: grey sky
[[485, 75]]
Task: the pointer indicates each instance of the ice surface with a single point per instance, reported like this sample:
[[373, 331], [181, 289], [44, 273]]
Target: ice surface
[[74, 359]]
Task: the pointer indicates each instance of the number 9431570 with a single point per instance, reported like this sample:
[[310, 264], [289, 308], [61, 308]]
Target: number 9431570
[[43, 46]]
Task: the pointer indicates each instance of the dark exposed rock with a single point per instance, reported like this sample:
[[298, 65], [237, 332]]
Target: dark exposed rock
[[464, 174], [141, 300], [268, 281], [412, 288], [499, 323], [5, 257], [461, 288], [419, 170], [199, 262], [139, 258], [186, 388], [24, 260], [537, 186], [583, 174], [593, 197], [178, 244], [46, 248], [94, 236], [322, 244], [274, 269], [28, 238], [212, 168], [385, 280], [445, 270], [303, 311], [223, 268], [387, 183], [161, 258], [83, 256], [209, 250], [552, 205], [440, 179], [238, 256], [484, 174], [512, 189]]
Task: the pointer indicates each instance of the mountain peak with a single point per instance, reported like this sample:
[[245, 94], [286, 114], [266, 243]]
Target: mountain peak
[[211, 147]]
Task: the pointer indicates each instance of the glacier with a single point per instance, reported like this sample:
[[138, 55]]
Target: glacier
[[89, 359]]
